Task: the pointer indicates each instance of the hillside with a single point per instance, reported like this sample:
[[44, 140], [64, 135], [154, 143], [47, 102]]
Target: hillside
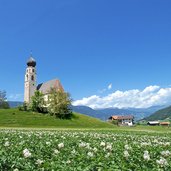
[[104, 114], [15, 118], [163, 114]]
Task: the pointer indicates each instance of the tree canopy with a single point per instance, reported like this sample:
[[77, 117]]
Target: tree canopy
[[37, 102], [3, 100], [59, 104]]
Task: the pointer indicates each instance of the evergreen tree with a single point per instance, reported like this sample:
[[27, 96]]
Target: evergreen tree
[[59, 104]]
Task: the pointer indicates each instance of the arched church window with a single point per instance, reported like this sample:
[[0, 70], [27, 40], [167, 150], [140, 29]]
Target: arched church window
[[32, 78], [27, 77], [33, 70]]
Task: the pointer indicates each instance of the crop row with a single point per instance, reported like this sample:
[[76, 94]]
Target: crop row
[[83, 150]]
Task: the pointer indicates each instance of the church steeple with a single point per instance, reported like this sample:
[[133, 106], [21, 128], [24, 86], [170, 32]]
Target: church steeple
[[31, 62], [30, 79]]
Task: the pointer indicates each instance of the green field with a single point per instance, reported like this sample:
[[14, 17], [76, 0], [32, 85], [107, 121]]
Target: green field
[[13, 118], [87, 150], [19, 119], [37, 142]]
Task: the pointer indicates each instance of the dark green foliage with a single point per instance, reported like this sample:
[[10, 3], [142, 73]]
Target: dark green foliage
[[115, 122], [37, 102], [3, 103], [24, 107], [59, 104]]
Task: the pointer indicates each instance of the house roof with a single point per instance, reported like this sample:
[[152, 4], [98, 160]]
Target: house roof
[[164, 123], [119, 117], [47, 86], [153, 122]]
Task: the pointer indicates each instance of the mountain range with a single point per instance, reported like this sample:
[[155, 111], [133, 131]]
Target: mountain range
[[163, 114], [14, 104], [104, 114]]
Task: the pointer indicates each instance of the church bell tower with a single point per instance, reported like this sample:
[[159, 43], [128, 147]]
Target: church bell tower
[[30, 80]]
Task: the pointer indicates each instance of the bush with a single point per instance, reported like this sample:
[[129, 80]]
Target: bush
[[24, 107], [114, 122]]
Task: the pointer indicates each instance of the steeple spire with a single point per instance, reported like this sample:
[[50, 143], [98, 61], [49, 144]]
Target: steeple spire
[[31, 61]]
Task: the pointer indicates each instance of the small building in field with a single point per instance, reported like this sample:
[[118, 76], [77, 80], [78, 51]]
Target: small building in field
[[122, 120], [165, 124], [153, 123]]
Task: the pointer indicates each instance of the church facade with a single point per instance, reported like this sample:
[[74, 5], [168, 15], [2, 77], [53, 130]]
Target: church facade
[[30, 85]]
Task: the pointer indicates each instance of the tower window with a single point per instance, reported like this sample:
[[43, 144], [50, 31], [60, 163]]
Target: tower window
[[32, 78], [27, 77], [33, 70]]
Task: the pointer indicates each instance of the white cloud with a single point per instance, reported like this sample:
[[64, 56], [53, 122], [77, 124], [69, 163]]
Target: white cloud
[[150, 96], [109, 87]]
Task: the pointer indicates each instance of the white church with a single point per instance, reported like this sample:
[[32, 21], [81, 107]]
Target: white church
[[31, 84]]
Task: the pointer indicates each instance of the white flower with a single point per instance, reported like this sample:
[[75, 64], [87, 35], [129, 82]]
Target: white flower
[[88, 145], [107, 155], [167, 144], [39, 162], [7, 144], [15, 170], [146, 156], [109, 147], [61, 145], [82, 144], [95, 149], [56, 151], [73, 151], [47, 143], [127, 147], [68, 162], [166, 153], [162, 162], [126, 154], [102, 144], [26, 153], [90, 154]]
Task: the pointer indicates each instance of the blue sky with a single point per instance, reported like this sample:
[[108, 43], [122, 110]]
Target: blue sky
[[87, 44]]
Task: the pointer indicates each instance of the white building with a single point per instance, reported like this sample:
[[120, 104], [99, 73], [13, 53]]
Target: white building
[[123, 120], [31, 84]]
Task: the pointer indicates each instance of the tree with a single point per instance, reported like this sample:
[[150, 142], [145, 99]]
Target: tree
[[37, 102], [59, 104], [3, 100]]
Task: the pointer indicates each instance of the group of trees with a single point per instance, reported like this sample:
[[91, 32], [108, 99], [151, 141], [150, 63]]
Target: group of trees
[[58, 104], [3, 100]]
